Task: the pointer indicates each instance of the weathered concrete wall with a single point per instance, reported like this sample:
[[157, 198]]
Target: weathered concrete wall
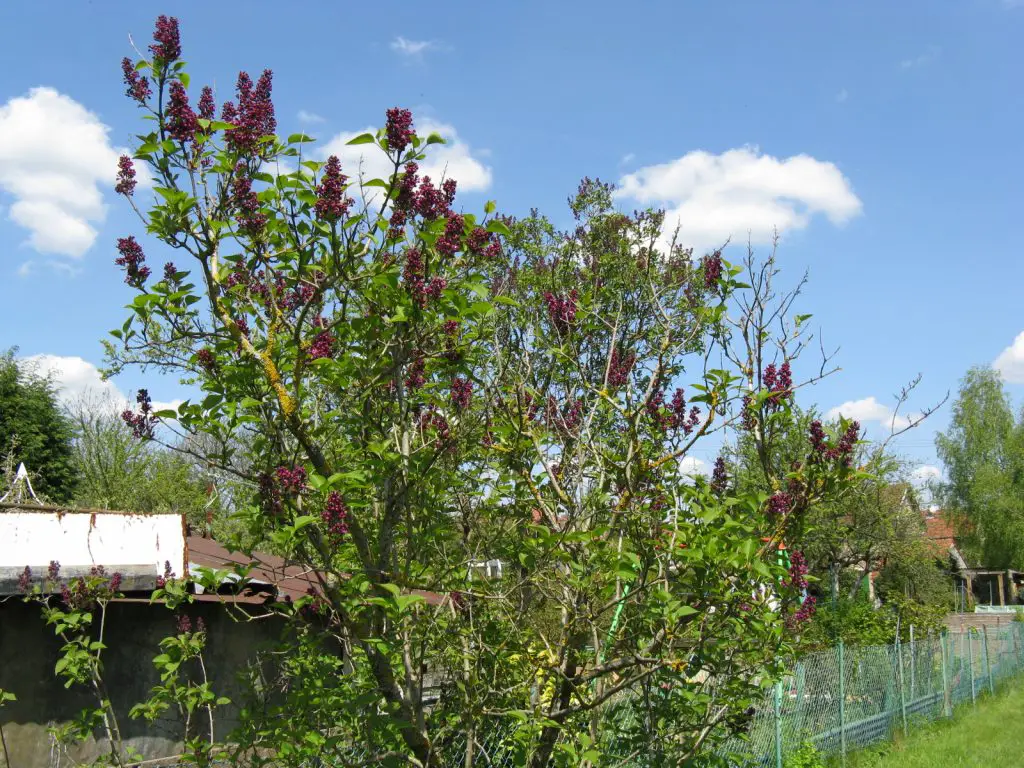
[[29, 650]]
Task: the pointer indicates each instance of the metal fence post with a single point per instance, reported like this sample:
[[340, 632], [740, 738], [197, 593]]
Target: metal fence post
[[778, 724], [947, 708], [899, 681], [913, 675], [842, 703], [970, 662], [988, 664]]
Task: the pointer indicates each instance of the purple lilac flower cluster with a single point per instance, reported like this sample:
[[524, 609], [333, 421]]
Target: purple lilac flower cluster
[[842, 451], [133, 260], [184, 626], [292, 481], [803, 613], [431, 419], [565, 419], [797, 578], [168, 574], [335, 515], [719, 477], [126, 181], [322, 346], [254, 115], [331, 203], [398, 128], [778, 505], [779, 382], [207, 360], [182, 122], [142, 423], [562, 309], [619, 368], [712, 269], [246, 204], [451, 241], [207, 106], [462, 393], [675, 416], [136, 86], [416, 376], [166, 45]]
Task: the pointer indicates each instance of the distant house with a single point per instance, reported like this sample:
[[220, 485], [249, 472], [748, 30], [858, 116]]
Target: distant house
[[975, 583]]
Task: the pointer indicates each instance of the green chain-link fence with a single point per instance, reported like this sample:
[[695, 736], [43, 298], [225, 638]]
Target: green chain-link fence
[[838, 700], [845, 698]]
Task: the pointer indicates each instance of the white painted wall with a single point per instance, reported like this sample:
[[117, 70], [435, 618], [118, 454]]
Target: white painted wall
[[84, 539]]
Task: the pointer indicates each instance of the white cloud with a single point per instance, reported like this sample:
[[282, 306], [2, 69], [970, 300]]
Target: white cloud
[[692, 466], [922, 60], [55, 160], [412, 48], [310, 117], [741, 192], [78, 379], [869, 409], [842, 96], [925, 474], [453, 160], [1010, 362]]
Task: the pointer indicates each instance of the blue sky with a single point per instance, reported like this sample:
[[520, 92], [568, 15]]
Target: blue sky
[[883, 138]]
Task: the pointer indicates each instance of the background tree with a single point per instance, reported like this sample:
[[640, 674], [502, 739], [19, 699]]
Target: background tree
[[419, 388], [983, 451], [117, 471], [34, 430], [874, 526]]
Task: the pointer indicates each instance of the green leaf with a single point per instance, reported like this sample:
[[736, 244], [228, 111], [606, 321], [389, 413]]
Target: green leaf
[[498, 227], [299, 138], [405, 601], [490, 206], [435, 138], [363, 138], [184, 78]]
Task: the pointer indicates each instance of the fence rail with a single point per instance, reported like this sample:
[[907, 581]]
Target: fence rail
[[846, 698]]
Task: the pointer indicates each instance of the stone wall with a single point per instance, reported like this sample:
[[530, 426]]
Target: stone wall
[[29, 650]]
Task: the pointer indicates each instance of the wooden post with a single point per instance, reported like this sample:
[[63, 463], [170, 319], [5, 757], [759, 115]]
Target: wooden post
[[1002, 594]]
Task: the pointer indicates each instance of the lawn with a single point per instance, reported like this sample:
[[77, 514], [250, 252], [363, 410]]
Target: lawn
[[987, 736]]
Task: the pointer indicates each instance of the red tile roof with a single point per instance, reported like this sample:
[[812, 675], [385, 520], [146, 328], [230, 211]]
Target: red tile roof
[[287, 580], [939, 531]]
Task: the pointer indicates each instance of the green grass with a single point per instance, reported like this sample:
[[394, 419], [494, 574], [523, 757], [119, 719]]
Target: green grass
[[990, 735]]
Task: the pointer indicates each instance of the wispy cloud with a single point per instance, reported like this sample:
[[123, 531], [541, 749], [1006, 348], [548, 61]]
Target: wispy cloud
[[413, 48], [842, 96], [627, 158], [922, 60], [1013, 3], [310, 118]]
